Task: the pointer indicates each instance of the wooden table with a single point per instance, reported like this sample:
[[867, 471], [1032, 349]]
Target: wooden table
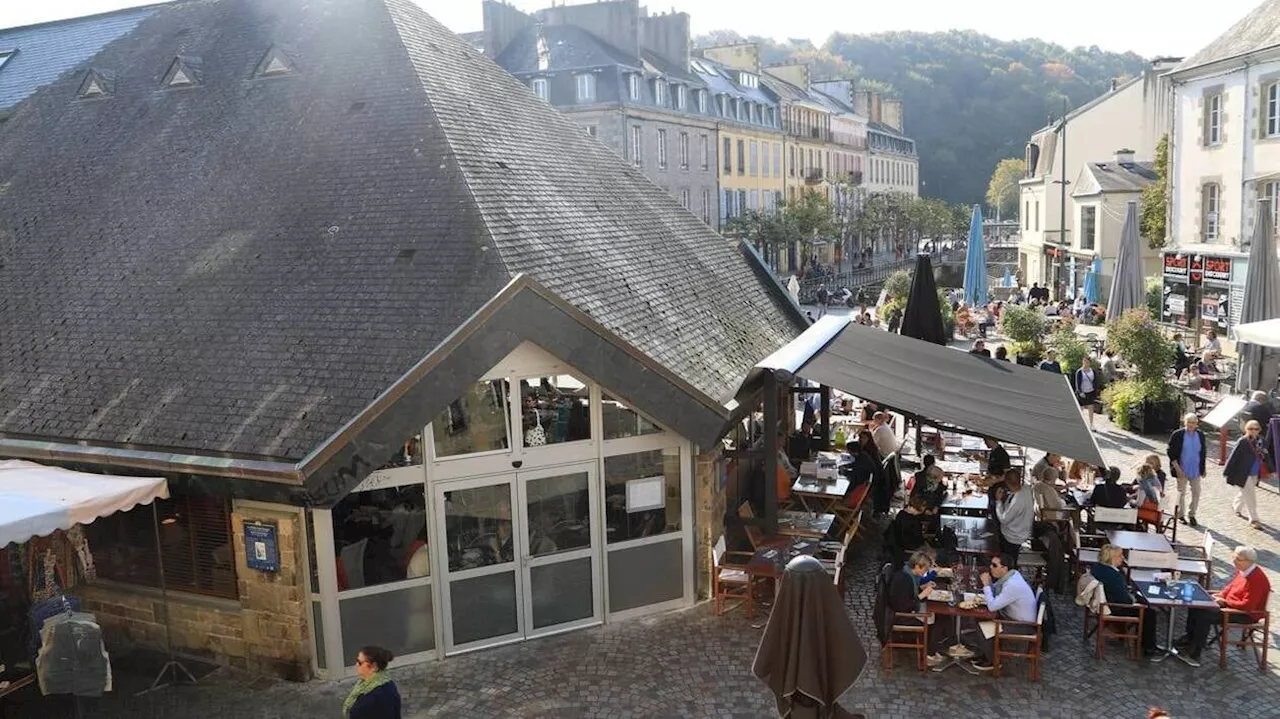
[[944, 609], [769, 562], [804, 524], [974, 535], [1141, 541], [819, 495], [1167, 600]]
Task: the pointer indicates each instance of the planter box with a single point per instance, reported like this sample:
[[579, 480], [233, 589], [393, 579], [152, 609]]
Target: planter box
[[1028, 360], [1156, 417]]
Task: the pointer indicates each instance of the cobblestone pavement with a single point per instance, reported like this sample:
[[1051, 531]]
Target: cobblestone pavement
[[693, 664]]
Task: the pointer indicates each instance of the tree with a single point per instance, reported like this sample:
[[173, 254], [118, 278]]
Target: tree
[[1153, 222], [1002, 196], [807, 218]]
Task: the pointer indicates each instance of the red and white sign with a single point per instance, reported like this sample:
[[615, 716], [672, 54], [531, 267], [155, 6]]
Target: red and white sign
[[1217, 269], [1175, 267]]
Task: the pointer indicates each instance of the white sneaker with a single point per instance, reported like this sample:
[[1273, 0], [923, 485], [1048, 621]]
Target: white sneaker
[[935, 659], [960, 651]]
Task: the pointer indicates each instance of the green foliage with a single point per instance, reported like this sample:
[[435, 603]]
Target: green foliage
[[1071, 347], [1033, 349], [1154, 214], [801, 221], [1136, 338], [1127, 395], [898, 284], [1023, 324], [1155, 295], [1002, 189], [999, 91]]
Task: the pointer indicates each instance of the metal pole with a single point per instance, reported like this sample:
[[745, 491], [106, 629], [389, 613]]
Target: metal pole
[[771, 449], [173, 665], [1062, 219]]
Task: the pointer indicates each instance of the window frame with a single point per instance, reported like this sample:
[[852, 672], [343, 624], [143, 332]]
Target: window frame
[[1271, 110], [706, 205], [1211, 206], [541, 88], [662, 148], [684, 151], [1213, 120], [1089, 220], [706, 154], [701, 98], [584, 87], [633, 86], [681, 97], [635, 144]]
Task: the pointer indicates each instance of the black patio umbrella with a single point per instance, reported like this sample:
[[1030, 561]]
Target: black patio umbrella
[[923, 316], [810, 653]]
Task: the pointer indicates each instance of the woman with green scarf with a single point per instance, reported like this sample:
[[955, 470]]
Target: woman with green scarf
[[375, 696]]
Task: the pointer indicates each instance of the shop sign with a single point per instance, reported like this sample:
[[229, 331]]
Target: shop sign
[[1175, 267], [1195, 274], [261, 548], [1174, 307], [1215, 309], [1217, 269]]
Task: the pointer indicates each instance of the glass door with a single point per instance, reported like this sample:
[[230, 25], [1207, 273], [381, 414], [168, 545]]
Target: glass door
[[560, 565], [481, 590]]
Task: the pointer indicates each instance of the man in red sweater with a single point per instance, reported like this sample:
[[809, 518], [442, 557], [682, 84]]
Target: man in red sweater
[[1248, 591]]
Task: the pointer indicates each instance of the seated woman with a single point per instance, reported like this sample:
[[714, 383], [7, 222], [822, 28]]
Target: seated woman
[[1114, 585], [1109, 494], [1148, 487], [905, 533], [905, 592], [929, 487]]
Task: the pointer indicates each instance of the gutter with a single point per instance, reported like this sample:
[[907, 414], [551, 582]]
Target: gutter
[[152, 460]]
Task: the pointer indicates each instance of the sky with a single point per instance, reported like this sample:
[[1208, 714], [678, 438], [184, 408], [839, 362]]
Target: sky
[[1144, 26]]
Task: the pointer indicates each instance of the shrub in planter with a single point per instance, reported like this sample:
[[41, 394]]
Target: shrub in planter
[[1132, 402], [1071, 348], [1146, 402], [1025, 328]]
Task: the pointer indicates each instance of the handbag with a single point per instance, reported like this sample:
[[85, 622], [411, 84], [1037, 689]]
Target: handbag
[[535, 436], [1264, 468]]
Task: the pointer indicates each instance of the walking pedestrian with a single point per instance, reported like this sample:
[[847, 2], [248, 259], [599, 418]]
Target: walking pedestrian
[[1187, 453], [1088, 386], [1246, 463], [375, 696], [823, 296]]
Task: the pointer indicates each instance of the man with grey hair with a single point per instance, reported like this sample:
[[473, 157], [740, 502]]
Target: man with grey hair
[[1187, 453], [1257, 408], [1242, 599]]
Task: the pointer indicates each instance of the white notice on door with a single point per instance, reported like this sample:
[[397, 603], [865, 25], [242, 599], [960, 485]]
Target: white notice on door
[[646, 493]]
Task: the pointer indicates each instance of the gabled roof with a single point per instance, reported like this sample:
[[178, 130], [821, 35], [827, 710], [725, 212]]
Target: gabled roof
[[243, 266], [1123, 177], [556, 48], [783, 89], [1259, 30], [45, 51], [720, 79]]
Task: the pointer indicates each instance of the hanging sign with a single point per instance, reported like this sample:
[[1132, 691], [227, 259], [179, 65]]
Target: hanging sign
[[261, 548], [1195, 274], [1175, 267]]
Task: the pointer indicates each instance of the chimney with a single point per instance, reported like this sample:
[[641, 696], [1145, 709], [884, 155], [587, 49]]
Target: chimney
[[617, 22], [1113, 84], [1124, 157], [796, 74], [1164, 64], [667, 36], [745, 56], [502, 23]]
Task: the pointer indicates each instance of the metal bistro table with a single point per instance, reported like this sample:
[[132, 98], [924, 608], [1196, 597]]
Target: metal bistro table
[[973, 504], [1168, 597], [804, 524], [1141, 541], [819, 495]]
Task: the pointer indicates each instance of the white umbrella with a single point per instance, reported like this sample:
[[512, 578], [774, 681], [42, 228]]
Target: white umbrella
[[1265, 333]]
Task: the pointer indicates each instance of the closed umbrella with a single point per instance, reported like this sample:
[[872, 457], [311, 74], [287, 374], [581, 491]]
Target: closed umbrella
[[1127, 291], [923, 316], [810, 653], [1261, 302], [975, 263], [1093, 282]]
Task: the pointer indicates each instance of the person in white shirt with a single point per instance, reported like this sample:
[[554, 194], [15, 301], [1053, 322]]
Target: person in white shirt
[[1015, 510], [1049, 460], [1007, 594], [1046, 495], [882, 433]]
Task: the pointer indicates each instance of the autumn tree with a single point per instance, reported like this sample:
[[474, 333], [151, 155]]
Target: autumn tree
[[1002, 195]]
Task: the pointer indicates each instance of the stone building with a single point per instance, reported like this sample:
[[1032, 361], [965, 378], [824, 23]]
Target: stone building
[[336, 275], [625, 76]]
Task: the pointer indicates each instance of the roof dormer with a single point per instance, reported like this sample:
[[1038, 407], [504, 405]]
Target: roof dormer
[[96, 83], [184, 71], [275, 63]]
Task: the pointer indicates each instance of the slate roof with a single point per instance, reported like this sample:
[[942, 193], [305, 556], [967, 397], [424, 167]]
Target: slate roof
[[568, 47], [47, 50], [1123, 177], [1258, 30], [719, 80], [243, 265]]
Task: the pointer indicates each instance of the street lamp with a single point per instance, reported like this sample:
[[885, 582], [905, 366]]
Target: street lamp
[[999, 197]]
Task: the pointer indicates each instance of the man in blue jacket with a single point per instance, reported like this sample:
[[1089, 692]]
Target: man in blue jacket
[[1187, 453]]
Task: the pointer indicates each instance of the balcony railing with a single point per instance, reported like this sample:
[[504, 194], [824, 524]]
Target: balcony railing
[[856, 142], [813, 175], [806, 130]]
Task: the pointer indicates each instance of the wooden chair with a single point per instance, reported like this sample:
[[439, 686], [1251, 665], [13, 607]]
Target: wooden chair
[[907, 635], [755, 535], [851, 507], [1255, 634], [729, 578], [1121, 518], [1165, 523], [1109, 625], [1032, 560], [1142, 566], [1084, 550], [1197, 560], [1028, 643]]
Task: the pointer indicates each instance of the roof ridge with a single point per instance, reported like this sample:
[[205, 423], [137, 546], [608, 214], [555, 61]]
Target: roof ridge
[[94, 16]]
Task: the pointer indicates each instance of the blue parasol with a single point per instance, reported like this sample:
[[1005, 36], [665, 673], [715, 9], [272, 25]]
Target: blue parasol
[[975, 263], [1093, 282]]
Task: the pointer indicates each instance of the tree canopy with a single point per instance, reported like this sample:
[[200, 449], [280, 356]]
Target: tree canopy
[[969, 100], [1154, 216], [1002, 189]]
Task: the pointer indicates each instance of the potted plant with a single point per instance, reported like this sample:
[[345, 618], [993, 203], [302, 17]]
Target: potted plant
[[1144, 403], [1071, 347], [1025, 328]]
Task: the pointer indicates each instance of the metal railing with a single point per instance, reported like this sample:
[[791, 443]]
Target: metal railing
[[852, 279], [813, 175]]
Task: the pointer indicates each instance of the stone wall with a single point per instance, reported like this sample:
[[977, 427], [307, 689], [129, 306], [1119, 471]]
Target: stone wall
[[264, 631], [709, 522]]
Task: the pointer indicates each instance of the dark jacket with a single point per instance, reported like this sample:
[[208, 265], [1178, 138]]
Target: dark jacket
[[1260, 411], [998, 461], [904, 535], [862, 470], [381, 703], [895, 592], [1078, 376], [1240, 464], [1054, 366], [1113, 583], [1175, 448], [1109, 495]]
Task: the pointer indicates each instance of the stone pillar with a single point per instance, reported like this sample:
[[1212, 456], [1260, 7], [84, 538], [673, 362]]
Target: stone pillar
[[709, 523], [273, 604]]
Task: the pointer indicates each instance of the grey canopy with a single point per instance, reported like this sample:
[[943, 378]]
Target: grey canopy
[[1127, 290], [1261, 302]]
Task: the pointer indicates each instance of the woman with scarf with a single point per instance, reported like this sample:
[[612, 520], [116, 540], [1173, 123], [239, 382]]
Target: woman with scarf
[[375, 696], [1247, 461]]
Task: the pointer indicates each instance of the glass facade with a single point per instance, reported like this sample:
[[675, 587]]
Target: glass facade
[[475, 422]]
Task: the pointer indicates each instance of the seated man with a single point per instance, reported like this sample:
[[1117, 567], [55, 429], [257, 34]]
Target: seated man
[[1047, 500], [909, 587], [1109, 493], [929, 486], [1049, 460], [1107, 572], [1015, 510], [905, 533], [1008, 595], [1247, 591]]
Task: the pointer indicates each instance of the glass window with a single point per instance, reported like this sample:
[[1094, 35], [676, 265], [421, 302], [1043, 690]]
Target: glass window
[[409, 454], [628, 487], [621, 421], [1088, 227], [541, 88], [559, 511], [380, 536], [478, 527], [554, 409], [475, 422]]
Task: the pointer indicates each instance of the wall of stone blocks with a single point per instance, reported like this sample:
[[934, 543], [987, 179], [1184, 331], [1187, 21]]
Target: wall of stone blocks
[[709, 522], [264, 631]]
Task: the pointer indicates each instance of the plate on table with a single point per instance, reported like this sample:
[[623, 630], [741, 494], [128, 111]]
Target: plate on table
[[946, 572], [940, 595]]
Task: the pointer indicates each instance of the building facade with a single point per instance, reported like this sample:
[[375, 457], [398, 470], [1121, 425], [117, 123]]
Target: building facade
[[625, 76], [1224, 156], [1100, 197], [460, 381], [1133, 116]]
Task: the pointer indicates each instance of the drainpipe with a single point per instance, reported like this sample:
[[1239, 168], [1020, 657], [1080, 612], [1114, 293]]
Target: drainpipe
[[1244, 154]]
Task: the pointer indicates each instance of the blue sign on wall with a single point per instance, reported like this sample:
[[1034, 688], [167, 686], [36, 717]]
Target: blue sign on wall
[[262, 550]]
